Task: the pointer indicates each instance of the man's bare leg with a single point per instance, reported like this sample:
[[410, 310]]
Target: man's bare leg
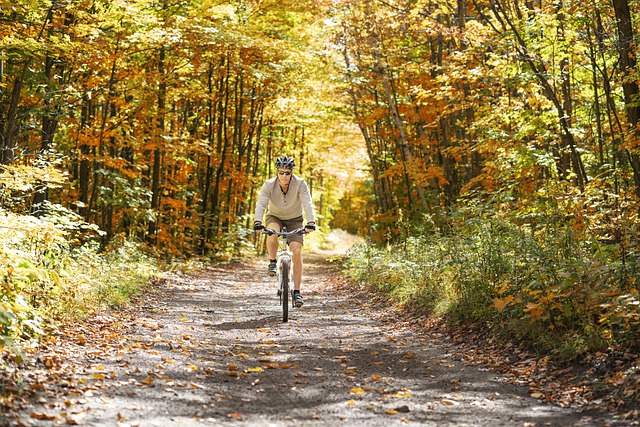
[[296, 248], [272, 242]]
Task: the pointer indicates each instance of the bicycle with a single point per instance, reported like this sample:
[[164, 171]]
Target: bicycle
[[284, 267]]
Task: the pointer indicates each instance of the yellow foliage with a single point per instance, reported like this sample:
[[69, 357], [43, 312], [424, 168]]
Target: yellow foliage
[[501, 303], [18, 177], [533, 309]]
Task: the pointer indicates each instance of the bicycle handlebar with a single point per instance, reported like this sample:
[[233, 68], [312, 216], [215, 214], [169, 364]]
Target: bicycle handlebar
[[270, 231]]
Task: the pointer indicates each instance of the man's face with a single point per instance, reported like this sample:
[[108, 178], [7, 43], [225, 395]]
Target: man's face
[[284, 176]]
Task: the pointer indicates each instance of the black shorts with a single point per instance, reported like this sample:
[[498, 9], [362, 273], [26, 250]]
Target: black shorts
[[291, 224]]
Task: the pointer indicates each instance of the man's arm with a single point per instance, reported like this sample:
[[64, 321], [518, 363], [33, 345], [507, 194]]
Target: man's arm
[[261, 204], [307, 203]]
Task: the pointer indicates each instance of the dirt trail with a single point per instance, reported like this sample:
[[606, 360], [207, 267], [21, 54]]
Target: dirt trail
[[210, 349]]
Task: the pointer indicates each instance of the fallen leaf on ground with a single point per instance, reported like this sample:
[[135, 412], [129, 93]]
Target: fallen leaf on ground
[[43, 416], [74, 419], [357, 390], [403, 393]]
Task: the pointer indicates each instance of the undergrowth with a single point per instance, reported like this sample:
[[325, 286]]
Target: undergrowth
[[555, 290], [53, 271]]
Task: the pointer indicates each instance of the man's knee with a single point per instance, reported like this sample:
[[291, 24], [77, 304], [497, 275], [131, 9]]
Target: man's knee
[[296, 248], [274, 226]]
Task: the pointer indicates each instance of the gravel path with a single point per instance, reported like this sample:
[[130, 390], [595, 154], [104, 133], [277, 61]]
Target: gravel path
[[209, 349]]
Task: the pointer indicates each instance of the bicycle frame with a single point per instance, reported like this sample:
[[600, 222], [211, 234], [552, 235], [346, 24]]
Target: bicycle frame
[[284, 257], [284, 267]]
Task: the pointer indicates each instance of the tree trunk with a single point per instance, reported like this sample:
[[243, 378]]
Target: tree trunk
[[223, 143], [49, 124], [613, 120], [84, 172], [212, 111], [626, 45], [157, 152]]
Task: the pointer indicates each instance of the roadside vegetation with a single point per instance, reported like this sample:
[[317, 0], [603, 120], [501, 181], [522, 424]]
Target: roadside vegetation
[[548, 287], [504, 173], [54, 270]]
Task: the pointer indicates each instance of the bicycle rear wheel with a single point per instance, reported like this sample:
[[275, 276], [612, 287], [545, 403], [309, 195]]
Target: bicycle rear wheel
[[284, 277]]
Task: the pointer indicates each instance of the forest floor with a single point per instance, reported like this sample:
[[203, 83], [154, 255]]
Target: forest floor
[[209, 349]]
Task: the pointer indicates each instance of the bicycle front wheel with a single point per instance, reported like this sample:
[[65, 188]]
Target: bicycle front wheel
[[284, 277]]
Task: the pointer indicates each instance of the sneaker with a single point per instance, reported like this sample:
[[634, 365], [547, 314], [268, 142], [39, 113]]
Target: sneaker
[[272, 268], [297, 299]]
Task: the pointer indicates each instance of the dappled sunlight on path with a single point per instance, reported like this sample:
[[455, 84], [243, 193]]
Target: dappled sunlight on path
[[210, 349]]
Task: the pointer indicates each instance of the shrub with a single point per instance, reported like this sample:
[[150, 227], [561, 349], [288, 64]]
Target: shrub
[[50, 275], [550, 286]]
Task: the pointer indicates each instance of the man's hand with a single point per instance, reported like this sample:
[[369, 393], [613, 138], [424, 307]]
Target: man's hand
[[311, 226], [257, 226]]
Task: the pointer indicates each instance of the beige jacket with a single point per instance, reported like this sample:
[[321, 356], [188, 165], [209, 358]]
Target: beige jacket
[[285, 206]]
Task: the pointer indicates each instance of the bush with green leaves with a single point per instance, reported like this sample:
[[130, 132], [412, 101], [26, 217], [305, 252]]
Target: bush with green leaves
[[548, 286], [53, 270]]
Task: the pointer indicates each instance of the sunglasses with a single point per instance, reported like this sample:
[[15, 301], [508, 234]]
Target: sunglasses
[[284, 173]]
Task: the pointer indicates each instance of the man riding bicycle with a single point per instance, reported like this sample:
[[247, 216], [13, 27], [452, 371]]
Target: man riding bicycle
[[284, 198]]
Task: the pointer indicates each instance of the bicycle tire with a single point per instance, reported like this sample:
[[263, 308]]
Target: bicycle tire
[[285, 290]]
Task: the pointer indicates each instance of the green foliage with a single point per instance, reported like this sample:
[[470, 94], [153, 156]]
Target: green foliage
[[117, 276], [357, 207], [235, 243], [408, 278], [53, 270], [548, 285]]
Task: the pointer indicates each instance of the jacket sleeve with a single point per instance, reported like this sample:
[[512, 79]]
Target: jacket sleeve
[[307, 203], [261, 204]]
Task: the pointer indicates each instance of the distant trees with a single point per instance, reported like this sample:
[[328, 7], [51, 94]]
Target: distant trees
[[507, 102], [158, 112], [166, 116]]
